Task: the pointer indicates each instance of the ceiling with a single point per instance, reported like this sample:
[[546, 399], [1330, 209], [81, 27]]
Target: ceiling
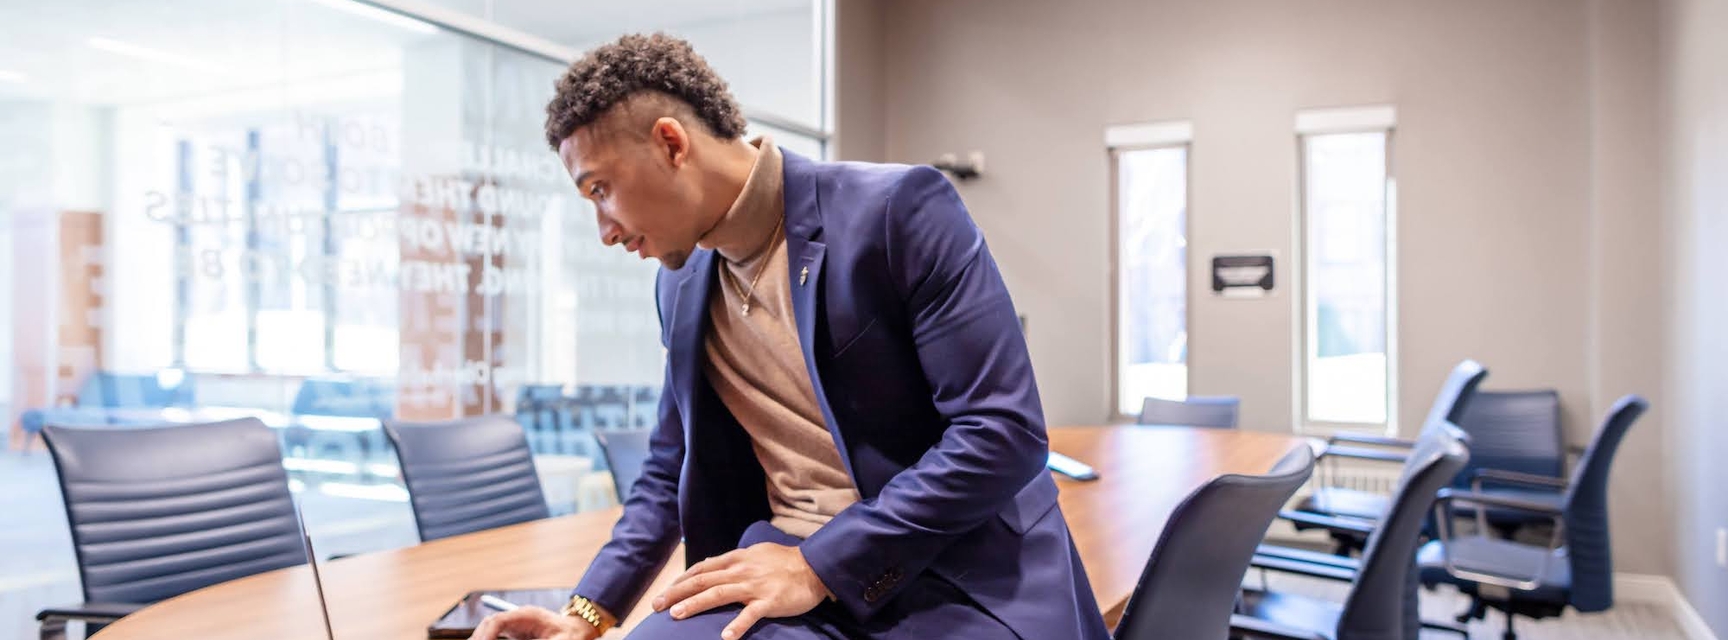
[[159, 50], [166, 49], [574, 22]]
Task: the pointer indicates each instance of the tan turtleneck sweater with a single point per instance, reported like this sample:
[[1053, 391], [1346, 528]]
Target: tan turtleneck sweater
[[754, 362]]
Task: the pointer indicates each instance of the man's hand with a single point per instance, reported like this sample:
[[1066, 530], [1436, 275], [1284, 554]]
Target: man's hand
[[770, 580], [533, 623]]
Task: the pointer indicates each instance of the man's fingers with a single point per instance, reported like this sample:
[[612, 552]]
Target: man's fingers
[[487, 630], [712, 564], [718, 595], [521, 623], [715, 563], [679, 591], [747, 618]]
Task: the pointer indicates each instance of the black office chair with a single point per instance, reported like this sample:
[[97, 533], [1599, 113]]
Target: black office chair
[[1330, 502], [467, 475], [310, 435], [109, 390], [644, 407], [1509, 431], [1574, 569], [1191, 581], [1381, 604], [1196, 411], [537, 407], [105, 390], [1516, 432], [157, 512], [592, 409], [625, 451]]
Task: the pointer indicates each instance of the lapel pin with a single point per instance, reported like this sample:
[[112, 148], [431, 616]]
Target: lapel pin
[[803, 275]]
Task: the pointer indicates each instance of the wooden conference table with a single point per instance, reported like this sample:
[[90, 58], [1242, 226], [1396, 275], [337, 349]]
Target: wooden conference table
[[1144, 472]]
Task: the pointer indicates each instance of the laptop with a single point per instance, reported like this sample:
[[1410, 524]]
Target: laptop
[[317, 581]]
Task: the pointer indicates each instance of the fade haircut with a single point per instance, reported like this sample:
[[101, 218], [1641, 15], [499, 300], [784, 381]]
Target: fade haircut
[[642, 76]]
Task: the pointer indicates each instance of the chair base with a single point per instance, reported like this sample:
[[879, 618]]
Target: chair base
[[1458, 628], [1344, 544], [1511, 607]]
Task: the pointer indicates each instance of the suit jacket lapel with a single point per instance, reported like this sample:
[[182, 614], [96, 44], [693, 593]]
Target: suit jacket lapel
[[689, 325], [804, 257]]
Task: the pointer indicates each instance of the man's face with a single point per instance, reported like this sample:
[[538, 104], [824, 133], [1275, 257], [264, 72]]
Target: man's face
[[643, 195]]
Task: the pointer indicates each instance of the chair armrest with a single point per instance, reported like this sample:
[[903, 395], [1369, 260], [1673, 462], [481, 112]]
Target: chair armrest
[[93, 611], [1362, 453], [1449, 495], [1482, 476], [1382, 441], [1250, 627], [1298, 567], [1334, 523], [1499, 576], [1304, 555]]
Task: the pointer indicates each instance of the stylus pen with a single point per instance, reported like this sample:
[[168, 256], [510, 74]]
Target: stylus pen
[[496, 603]]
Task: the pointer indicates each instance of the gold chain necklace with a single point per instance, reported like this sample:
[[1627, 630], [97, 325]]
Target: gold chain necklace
[[746, 293]]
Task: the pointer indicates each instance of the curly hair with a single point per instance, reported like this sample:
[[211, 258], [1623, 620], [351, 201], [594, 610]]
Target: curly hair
[[635, 64]]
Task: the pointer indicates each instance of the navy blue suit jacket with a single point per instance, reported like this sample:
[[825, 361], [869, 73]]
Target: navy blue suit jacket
[[923, 378]]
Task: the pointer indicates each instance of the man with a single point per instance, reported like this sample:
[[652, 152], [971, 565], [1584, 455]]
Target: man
[[850, 442]]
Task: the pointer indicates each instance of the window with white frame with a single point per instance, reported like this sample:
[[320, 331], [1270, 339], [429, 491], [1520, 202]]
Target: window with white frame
[[1348, 359], [1151, 262]]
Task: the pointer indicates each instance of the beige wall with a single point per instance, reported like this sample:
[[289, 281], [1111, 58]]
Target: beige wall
[[858, 84], [1627, 245], [1491, 153], [1695, 57], [1498, 230]]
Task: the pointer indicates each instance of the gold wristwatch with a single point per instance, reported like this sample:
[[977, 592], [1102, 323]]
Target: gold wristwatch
[[585, 610]]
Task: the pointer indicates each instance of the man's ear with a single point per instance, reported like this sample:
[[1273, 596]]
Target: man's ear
[[670, 140]]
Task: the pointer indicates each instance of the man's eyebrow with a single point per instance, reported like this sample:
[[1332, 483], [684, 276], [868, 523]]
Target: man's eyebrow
[[583, 176]]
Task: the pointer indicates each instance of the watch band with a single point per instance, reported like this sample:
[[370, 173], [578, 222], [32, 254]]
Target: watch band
[[585, 610]]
